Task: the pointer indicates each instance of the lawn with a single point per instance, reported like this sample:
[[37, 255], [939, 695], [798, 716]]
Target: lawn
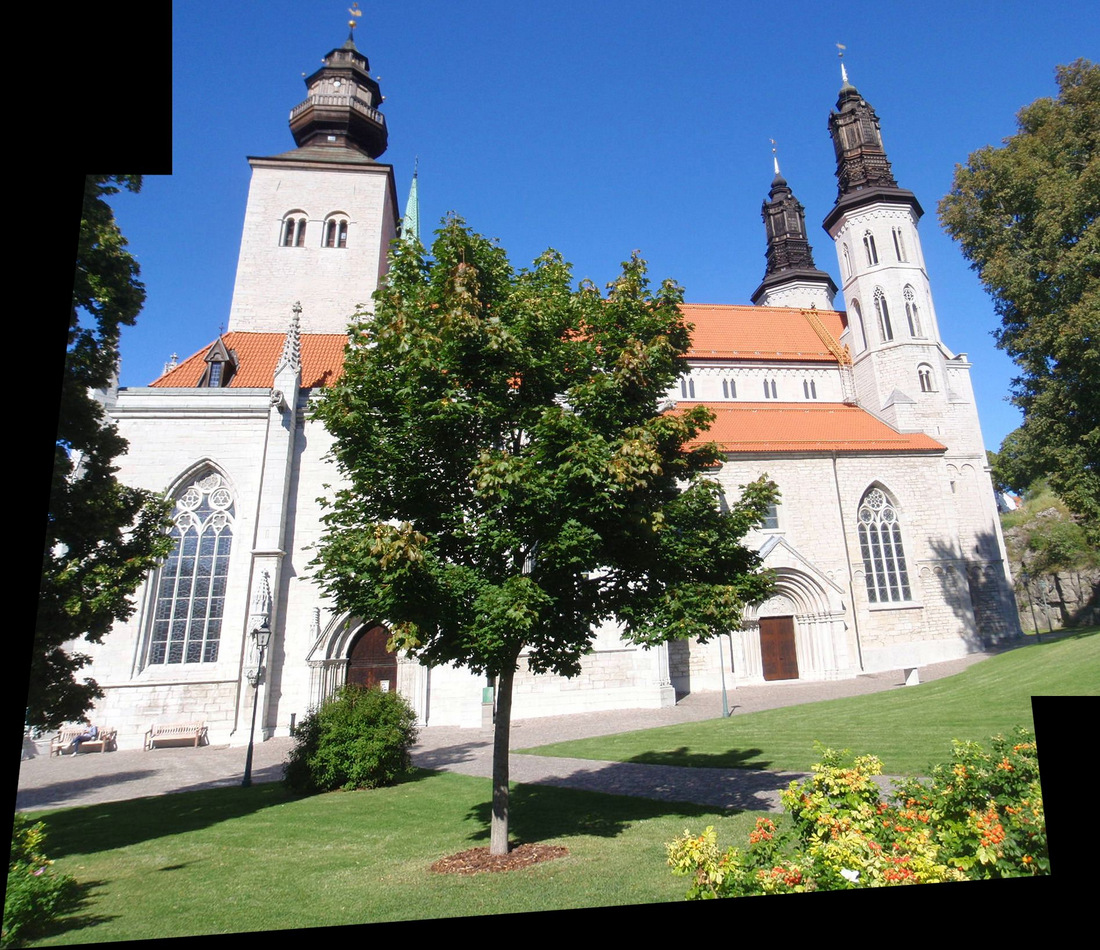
[[232, 860], [907, 727]]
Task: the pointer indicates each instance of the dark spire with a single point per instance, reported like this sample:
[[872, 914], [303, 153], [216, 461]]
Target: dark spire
[[341, 108], [789, 254], [863, 171], [860, 156]]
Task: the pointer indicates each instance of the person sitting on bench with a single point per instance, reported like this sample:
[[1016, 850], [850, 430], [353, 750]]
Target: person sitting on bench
[[92, 732]]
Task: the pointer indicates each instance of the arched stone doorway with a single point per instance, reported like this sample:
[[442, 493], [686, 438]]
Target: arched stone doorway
[[370, 663]]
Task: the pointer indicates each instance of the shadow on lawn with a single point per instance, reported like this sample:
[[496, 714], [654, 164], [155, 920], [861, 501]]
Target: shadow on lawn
[[683, 757], [543, 812], [104, 827]]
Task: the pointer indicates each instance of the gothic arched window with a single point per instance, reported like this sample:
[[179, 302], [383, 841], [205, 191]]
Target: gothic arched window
[[846, 260], [885, 329], [190, 598], [880, 545], [911, 312], [924, 376], [857, 324], [869, 247], [899, 244]]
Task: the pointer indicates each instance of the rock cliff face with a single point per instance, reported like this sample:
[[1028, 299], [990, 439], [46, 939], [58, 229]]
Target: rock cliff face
[[1051, 596]]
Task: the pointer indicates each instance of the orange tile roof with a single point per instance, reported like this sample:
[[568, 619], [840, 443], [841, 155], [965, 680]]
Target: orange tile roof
[[728, 331], [777, 428], [257, 354]]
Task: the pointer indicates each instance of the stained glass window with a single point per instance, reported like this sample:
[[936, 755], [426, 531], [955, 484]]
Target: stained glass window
[[190, 601]]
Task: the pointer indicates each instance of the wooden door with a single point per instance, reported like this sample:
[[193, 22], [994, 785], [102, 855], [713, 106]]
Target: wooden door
[[370, 663], [777, 652]]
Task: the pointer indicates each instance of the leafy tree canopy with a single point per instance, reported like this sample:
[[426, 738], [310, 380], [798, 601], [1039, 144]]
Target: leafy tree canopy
[[101, 537], [1026, 217], [510, 480]]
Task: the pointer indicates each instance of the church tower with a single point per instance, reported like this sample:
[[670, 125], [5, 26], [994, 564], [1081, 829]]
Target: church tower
[[904, 373], [893, 331], [791, 278], [320, 218]]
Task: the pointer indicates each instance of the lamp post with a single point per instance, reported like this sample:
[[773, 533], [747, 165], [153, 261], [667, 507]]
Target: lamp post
[[262, 636]]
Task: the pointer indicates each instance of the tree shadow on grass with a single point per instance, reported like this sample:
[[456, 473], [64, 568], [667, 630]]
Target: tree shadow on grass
[[544, 812], [683, 757], [94, 828]]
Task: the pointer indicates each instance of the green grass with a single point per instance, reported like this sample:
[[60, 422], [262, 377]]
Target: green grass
[[232, 860], [908, 727]]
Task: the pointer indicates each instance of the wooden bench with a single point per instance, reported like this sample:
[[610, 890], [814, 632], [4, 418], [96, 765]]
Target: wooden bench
[[175, 732], [105, 739]]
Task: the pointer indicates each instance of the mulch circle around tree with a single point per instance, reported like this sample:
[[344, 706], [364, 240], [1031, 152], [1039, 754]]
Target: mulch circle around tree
[[477, 860]]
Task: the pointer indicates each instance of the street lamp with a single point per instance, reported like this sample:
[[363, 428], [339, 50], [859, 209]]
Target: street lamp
[[262, 636]]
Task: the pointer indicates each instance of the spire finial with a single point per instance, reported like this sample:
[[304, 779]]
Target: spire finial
[[355, 14], [410, 223], [840, 48], [775, 157]]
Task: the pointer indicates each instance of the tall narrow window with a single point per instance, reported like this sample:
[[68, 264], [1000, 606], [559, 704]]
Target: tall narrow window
[[899, 244], [190, 601], [300, 236], [809, 388], [924, 375], [769, 389], [880, 545], [885, 330], [911, 312], [845, 260], [288, 233], [330, 234], [869, 247], [858, 328], [687, 387], [729, 388], [342, 234]]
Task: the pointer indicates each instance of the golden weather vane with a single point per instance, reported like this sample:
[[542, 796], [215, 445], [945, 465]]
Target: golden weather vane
[[355, 14]]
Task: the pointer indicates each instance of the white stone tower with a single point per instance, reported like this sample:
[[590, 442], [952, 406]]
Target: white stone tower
[[903, 371], [320, 218]]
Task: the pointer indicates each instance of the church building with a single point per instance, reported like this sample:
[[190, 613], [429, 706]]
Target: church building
[[885, 544]]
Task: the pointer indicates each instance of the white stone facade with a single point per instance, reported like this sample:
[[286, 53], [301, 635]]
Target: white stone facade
[[934, 588]]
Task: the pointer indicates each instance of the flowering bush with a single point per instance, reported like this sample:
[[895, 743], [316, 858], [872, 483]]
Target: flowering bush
[[35, 894], [979, 816]]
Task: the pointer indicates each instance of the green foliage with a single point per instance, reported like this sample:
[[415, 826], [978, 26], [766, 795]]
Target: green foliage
[[101, 537], [510, 480], [1025, 215], [1044, 538], [35, 894], [359, 739], [487, 419], [979, 816]]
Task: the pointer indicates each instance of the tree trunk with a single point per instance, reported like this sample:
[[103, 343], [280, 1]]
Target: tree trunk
[[498, 831]]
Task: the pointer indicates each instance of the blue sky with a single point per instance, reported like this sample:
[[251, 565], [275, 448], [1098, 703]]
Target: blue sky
[[597, 128]]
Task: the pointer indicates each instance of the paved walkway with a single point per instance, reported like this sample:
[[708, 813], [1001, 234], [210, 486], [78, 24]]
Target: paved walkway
[[93, 778]]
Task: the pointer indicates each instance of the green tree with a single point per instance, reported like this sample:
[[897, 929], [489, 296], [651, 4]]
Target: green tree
[[510, 480], [101, 537], [1026, 217]]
